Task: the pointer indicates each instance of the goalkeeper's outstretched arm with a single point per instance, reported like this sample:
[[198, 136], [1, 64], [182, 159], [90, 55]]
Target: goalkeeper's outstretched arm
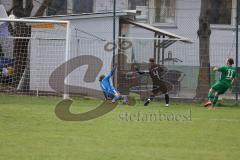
[[111, 73]]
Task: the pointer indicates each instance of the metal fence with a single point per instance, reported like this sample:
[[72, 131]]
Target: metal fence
[[94, 43]]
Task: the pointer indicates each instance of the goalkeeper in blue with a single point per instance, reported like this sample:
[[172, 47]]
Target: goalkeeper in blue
[[108, 90]]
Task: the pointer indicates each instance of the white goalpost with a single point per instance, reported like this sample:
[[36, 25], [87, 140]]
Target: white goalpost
[[30, 50]]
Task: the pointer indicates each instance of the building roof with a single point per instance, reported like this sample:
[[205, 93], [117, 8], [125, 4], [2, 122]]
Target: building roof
[[88, 15], [159, 31]]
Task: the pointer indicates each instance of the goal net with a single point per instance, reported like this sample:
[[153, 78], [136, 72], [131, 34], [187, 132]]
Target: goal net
[[30, 50]]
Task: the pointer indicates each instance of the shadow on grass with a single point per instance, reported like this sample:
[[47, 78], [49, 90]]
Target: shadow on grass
[[62, 110]]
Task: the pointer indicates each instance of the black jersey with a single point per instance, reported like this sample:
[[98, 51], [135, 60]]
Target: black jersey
[[156, 72]]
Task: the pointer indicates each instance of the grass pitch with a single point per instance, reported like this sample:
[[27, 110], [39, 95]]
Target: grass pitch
[[31, 131]]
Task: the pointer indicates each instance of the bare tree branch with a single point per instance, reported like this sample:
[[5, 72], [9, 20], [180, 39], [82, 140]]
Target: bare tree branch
[[18, 8], [43, 7], [11, 9], [28, 8]]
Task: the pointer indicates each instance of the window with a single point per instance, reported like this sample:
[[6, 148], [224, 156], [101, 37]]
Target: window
[[224, 12], [63, 7], [133, 4], [164, 11], [82, 6], [238, 3], [154, 11], [221, 12], [140, 5], [57, 7]]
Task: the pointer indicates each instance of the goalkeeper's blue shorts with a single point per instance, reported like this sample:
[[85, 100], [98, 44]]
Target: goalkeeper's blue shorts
[[112, 94]]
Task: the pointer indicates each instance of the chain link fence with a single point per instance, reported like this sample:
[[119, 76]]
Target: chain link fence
[[92, 39]]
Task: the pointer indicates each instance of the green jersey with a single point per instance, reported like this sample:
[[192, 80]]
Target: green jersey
[[228, 73]]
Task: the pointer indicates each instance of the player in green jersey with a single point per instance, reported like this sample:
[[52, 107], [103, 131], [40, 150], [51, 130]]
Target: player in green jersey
[[228, 73]]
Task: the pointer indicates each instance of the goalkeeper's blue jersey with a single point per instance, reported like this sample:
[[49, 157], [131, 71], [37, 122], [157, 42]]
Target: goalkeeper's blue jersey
[[106, 85]]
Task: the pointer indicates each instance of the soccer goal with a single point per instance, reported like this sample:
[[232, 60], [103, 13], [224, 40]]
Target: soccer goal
[[30, 51]]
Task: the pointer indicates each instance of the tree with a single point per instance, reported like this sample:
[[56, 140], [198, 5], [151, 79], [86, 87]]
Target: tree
[[20, 50], [204, 33], [19, 11]]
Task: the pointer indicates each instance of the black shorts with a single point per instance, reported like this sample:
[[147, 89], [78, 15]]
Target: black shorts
[[160, 87]]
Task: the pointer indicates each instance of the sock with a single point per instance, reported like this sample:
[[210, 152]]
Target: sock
[[125, 99], [116, 98], [167, 98], [215, 100], [210, 96]]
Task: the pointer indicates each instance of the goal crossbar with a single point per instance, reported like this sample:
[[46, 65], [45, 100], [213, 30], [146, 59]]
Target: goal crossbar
[[33, 20]]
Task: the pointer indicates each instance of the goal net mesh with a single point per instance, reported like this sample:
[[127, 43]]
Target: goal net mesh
[[30, 51]]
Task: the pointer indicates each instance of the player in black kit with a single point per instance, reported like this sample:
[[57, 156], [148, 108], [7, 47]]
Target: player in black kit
[[159, 85]]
